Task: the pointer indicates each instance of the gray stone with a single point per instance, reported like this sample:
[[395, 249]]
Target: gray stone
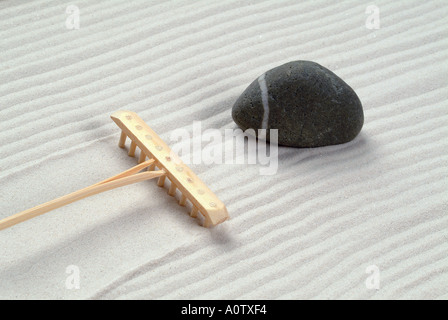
[[308, 104]]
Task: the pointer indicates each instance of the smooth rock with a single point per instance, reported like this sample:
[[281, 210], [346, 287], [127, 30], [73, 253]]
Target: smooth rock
[[308, 104]]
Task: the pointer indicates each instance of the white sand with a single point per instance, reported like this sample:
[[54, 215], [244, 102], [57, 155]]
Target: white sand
[[310, 231]]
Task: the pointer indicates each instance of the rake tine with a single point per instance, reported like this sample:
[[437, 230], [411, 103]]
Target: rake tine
[[142, 157], [172, 189], [122, 140], [183, 200]]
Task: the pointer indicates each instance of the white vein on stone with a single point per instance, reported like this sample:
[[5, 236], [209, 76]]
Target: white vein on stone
[[264, 99]]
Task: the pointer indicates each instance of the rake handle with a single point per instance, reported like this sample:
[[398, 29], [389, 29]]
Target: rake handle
[[105, 185]]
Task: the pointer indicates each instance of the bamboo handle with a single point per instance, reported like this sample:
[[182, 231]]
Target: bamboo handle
[[128, 172], [108, 184]]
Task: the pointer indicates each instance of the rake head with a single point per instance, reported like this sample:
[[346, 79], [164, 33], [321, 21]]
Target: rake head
[[151, 146]]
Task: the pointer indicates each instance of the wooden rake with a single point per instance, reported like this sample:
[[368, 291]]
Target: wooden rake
[[168, 165]]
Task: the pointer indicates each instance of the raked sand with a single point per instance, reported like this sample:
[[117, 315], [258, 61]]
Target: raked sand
[[310, 231]]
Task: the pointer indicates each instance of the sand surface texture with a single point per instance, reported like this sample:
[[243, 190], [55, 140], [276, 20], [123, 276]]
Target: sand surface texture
[[309, 231]]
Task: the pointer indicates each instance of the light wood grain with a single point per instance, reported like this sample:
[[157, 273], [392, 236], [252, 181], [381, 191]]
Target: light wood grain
[[180, 175]]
